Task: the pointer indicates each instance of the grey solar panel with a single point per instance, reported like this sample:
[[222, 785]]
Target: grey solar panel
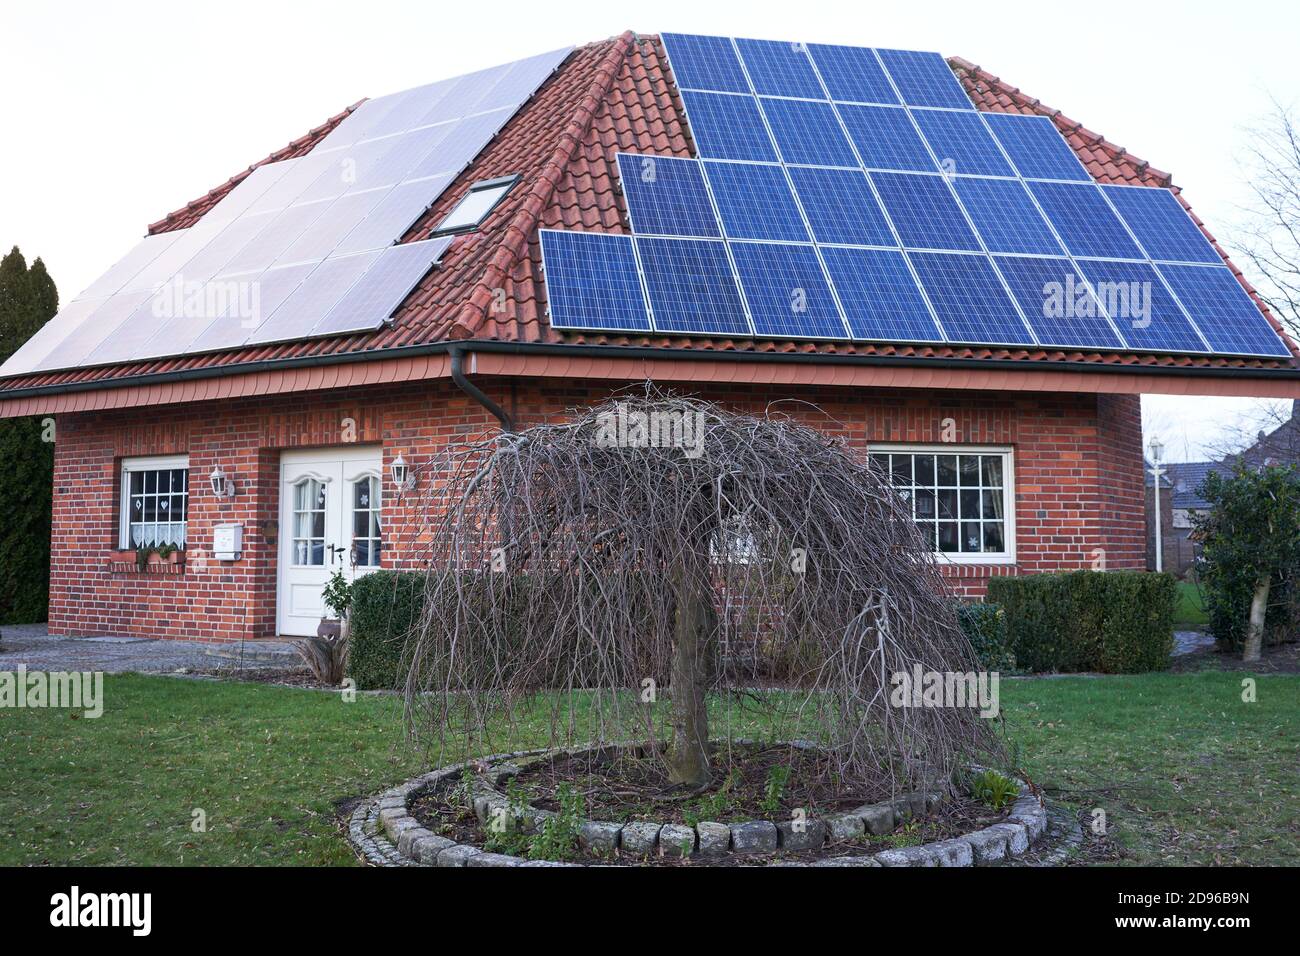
[[318, 293], [260, 296], [358, 191], [47, 337], [393, 216], [271, 242], [301, 174], [334, 224], [93, 329], [376, 296], [465, 139], [250, 189], [142, 253]]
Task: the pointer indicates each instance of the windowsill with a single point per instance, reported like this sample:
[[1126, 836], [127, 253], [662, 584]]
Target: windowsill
[[974, 560]]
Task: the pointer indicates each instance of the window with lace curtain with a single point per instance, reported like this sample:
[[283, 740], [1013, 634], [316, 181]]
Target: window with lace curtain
[[961, 497], [155, 502]]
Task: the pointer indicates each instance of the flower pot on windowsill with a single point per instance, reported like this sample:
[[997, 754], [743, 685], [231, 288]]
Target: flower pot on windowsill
[[174, 558], [330, 627]]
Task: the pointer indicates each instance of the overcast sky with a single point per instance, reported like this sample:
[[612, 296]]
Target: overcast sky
[[120, 112]]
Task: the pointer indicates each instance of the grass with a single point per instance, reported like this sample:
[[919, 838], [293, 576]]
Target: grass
[[1186, 772], [1190, 615]]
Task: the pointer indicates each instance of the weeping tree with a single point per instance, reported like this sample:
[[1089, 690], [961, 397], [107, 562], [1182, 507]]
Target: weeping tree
[[611, 576]]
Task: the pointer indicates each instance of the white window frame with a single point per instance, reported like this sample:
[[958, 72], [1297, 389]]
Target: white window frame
[[130, 465], [1008, 492]]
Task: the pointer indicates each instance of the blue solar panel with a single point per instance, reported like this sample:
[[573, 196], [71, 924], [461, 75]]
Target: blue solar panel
[[1036, 147], [779, 68], [971, 303], [755, 202], [808, 132], [840, 207], [1084, 220], [1005, 216], [880, 296], [886, 138], [692, 287], [924, 211], [705, 63], [728, 127], [1161, 224], [962, 143], [925, 79], [1057, 303], [1141, 307], [592, 282], [667, 196], [852, 74], [1221, 309], [787, 291]]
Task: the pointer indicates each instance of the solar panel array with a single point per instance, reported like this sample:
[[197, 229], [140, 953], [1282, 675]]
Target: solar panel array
[[852, 193], [299, 248]]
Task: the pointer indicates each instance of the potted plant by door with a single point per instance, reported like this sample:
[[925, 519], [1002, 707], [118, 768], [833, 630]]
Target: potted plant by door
[[337, 598], [326, 654]]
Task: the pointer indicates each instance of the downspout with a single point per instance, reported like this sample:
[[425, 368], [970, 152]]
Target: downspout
[[473, 391]]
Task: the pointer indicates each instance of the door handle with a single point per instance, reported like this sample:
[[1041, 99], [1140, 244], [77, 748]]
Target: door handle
[[335, 551]]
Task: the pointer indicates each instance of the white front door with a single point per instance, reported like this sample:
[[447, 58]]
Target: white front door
[[330, 520]]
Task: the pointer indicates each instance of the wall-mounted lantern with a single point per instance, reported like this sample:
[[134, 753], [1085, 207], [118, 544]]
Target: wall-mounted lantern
[[222, 486]]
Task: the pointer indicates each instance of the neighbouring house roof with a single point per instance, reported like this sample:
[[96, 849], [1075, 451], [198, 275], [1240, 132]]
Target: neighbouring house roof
[[611, 96], [1186, 478]]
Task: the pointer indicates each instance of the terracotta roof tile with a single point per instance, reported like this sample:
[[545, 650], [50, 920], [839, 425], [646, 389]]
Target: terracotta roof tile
[[611, 96]]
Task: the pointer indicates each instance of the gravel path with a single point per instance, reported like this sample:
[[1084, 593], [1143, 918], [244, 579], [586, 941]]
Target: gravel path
[[32, 646]]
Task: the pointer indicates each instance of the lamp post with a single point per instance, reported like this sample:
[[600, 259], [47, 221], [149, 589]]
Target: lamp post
[[1157, 449]]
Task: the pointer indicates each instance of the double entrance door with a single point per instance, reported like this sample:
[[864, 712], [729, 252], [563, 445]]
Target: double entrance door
[[330, 520]]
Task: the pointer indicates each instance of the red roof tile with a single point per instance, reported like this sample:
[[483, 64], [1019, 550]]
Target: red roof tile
[[611, 96]]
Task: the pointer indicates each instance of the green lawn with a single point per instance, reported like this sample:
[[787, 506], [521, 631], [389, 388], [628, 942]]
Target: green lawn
[[1190, 614], [1186, 771]]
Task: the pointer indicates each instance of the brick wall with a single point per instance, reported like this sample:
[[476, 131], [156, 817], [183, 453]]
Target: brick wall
[[1078, 478]]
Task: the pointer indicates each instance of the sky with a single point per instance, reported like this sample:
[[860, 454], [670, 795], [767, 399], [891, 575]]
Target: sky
[[120, 112]]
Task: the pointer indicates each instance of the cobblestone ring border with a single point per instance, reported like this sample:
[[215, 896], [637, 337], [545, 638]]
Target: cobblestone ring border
[[385, 833]]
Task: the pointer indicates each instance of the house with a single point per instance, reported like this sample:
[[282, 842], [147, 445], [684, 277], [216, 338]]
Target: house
[[280, 459], [1279, 446]]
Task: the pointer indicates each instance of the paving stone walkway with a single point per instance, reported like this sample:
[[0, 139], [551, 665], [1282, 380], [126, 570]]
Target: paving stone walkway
[[32, 646], [1189, 642]]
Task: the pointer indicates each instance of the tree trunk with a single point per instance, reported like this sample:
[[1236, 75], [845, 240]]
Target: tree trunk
[[688, 761], [1258, 611]]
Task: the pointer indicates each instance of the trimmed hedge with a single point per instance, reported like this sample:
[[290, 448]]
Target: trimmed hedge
[[386, 606], [985, 626], [1115, 622]]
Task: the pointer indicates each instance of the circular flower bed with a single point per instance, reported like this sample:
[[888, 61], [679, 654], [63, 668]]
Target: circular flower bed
[[522, 809]]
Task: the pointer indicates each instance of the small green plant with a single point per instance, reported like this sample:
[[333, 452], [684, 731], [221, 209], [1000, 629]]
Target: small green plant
[[338, 595], [712, 806], [774, 791], [992, 788], [166, 550], [908, 835], [142, 558], [557, 838]]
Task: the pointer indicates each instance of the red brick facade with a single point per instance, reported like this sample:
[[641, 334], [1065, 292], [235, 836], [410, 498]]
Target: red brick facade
[[1078, 483]]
